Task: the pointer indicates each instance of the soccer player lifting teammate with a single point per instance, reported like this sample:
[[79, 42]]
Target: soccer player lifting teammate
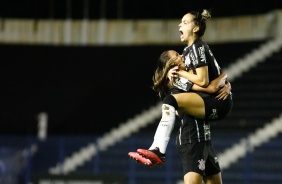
[[186, 92]]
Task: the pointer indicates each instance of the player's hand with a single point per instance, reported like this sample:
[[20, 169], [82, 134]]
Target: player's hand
[[216, 84], [172, 73], [224, 92]]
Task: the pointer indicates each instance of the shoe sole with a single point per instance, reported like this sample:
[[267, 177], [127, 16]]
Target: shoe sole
[[151, 156], [139, 159]]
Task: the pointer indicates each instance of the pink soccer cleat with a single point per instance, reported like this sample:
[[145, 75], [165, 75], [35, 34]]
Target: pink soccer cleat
[[154, 155], [138, 158]]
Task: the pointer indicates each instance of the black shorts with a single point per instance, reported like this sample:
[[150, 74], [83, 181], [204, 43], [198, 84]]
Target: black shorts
[[216, 109], [199, 157]]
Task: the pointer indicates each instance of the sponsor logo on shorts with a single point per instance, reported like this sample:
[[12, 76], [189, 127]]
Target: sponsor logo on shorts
[[202, 164], [215, 160], [214, 114]]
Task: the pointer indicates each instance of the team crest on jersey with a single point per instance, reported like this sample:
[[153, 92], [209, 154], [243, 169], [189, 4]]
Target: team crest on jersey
[[202, 54], [193, 58], [202, 164], [187, 60]]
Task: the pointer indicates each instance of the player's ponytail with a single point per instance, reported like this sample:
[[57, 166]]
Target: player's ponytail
[[200, 20]]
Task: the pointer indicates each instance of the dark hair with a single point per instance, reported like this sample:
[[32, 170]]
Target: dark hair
[[200, 20], [161, 83]]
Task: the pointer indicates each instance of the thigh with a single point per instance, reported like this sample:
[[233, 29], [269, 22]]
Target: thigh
[[193, 178], [213, 179], [191, 103]]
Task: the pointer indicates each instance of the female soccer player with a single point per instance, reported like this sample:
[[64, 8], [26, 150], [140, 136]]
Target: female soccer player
[[196, 109]]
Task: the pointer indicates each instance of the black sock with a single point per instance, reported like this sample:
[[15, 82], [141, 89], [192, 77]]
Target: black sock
[[170, 100]]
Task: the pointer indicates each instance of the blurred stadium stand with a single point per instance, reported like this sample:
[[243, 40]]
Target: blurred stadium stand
[[90, 90], [128, 9]]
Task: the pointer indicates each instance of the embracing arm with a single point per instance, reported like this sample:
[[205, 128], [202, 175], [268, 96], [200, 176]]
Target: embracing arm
[[218, 85], [213, 86], [201, 78]]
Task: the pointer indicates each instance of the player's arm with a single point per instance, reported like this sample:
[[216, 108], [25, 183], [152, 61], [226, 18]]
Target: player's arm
[[220, 85], [201, 78], [214, 86]]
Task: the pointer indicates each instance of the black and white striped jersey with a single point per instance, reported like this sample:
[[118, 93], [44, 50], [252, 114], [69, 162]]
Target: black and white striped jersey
[[198, 55], [191, 128]]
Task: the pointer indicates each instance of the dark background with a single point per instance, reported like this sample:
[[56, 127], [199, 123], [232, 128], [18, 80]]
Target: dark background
[[85, 89], [130, 9]]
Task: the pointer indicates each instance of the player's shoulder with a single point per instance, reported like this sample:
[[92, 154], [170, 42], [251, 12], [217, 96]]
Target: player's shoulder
[[199, 43]]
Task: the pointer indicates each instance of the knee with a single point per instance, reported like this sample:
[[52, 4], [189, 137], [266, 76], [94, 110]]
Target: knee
[[170, 100]]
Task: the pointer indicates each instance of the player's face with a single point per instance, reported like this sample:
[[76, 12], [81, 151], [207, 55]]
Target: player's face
[[187, 28], [179, 59], [174, 54]]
